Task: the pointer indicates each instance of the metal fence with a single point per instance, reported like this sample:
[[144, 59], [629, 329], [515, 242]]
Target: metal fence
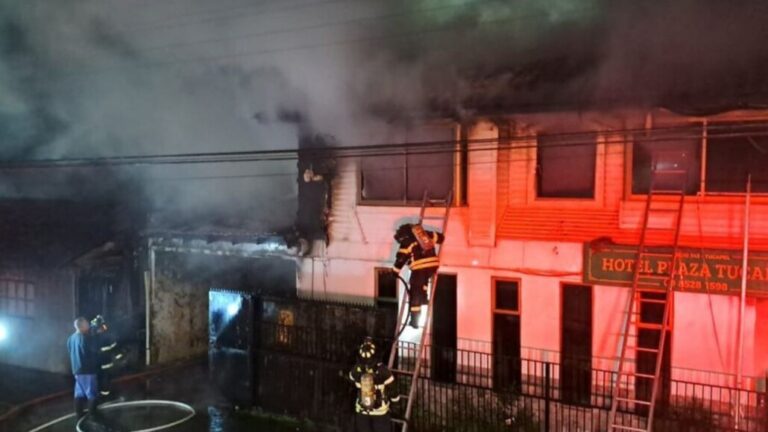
[[301, 372]]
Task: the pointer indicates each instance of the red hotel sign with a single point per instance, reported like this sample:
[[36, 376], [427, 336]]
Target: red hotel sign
[[708, 270]]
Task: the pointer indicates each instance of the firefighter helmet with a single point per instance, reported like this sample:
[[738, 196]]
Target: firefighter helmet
[[367, 350], [404, 232]]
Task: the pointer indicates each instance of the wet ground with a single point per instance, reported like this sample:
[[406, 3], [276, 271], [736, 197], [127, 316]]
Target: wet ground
[[188, 385], [20, 385]]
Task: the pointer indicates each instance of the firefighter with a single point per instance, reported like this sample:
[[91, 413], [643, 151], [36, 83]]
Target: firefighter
[[371, 379], [417, 249], [109, 355]]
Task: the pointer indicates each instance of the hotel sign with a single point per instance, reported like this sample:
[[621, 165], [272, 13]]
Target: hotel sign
[[705, 271]]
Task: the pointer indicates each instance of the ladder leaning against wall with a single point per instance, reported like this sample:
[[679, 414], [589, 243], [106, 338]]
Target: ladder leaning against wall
[[435, 212], [666, 196]]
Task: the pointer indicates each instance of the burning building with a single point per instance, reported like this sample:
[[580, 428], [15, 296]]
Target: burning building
[[548, 212]]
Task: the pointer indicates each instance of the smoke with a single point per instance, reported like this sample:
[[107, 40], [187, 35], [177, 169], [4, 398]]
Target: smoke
[[127, 77]]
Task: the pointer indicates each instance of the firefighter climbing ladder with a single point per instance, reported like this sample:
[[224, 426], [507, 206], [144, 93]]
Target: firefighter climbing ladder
[[671, 197], [427, 214]]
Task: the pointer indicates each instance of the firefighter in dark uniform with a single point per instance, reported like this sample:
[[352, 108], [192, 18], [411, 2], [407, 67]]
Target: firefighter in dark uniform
[[109, 355], [371, 379], [417, 249]]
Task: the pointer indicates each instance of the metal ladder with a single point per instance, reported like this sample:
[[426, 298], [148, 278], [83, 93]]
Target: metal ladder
[[674, 197], [441, 219]]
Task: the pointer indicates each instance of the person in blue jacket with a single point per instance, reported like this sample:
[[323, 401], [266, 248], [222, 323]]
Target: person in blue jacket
[[84, 358]]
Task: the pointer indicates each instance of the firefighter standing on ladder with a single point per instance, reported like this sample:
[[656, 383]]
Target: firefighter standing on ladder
[[417, 249], [371, 379]]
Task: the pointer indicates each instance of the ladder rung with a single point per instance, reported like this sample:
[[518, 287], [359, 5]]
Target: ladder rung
[[653, 327], [403, 372], [662, 210], [670, 171], [643, 349], [640, 375], [433, 218], [628, 428], [637, 401], [654, 301], [399, 421]]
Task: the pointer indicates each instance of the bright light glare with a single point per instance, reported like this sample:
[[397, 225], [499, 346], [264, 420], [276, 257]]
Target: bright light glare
[[3, 333], [233, 309]]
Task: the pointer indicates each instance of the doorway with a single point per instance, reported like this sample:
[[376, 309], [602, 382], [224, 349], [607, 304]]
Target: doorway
[[444, 332], [507, 365], [576, 344]]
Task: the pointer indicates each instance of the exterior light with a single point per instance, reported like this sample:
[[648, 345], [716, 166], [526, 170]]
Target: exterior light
[[3, 332]]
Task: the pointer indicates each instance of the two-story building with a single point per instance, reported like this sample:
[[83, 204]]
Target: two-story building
[[546, 219]]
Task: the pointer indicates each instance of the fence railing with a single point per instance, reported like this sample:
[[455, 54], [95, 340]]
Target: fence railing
[[301, 371]]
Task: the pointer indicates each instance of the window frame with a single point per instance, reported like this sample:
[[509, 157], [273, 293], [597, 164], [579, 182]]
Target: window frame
[[716, 196], [494, 309], [598, 160], [377, 272], [26, 301], [458, 183]]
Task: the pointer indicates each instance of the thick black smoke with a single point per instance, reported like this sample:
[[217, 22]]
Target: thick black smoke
[[122, 77]]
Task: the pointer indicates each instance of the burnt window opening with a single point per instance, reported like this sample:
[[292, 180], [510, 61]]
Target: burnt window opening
[[565, 165], [733, 154], [404, 176], [386, 287], [681, 150], [17, 298]]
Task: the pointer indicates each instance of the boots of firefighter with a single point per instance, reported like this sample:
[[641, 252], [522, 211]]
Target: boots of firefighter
[[93, 410], [415, 315], [79, 408]]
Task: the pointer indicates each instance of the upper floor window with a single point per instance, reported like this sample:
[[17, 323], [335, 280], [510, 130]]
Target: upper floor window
[[734, 151], [672, 151], [729, 152], [402, 177], [565, 165]]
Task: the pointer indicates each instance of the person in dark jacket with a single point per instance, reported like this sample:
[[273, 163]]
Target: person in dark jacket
[[84, 357], [109, 354], [417, 249], [371, 379]]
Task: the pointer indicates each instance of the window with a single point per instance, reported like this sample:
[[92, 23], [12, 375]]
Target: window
[[17, 298], [565, 165], [386, 288], [673, 151], [507, 298], [732, 154], [404, 176]]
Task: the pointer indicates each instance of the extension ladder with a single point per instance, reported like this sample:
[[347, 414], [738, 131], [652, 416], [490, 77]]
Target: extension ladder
[[440, 221], [672, 197]]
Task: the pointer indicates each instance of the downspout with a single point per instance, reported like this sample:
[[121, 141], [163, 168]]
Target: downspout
[[742, 306], [149, 288]]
